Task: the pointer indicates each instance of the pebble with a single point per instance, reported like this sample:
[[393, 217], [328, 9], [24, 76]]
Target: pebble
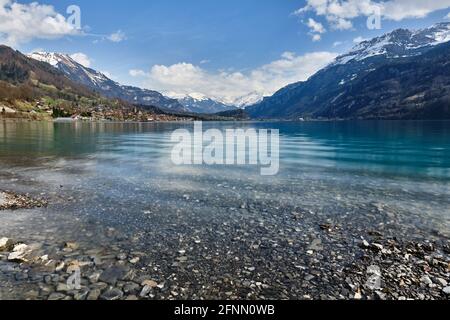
[[441, 282], [150, 283], [112, 294], [62, 287], [81, 295], [71, 246], [357, 296], [113, 274], [122, 256], [426, 280], [377, 247], [145, 291], [131, 287], [135, 260], [365, 244], [56, 296], [94, 295], [6, 244]]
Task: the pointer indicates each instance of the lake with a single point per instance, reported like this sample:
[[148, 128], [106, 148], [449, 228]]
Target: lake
[[226, 231]]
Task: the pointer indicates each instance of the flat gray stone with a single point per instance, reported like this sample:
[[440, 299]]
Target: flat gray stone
[[113, 274], [112, 295]]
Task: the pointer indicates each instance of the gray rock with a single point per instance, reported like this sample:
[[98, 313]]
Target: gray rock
[[112, 295], [122, 256], [93, 278], [441, 282], [316, 245], [81, 295], [94, 295], [57, 296], [131, 288], [365, 244], [62, 287], [113, 274], [19, 253], [145, 291], [6, 244], [426, 280], [377, 247], [446, 290]]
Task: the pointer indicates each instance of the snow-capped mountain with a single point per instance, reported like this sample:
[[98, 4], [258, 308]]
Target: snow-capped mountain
[[99, 82], [403, 74], [248, 100], [398, 44], [199, 103]]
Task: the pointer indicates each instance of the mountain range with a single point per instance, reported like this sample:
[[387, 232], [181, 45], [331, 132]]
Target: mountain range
[[100, 83], [199, 103], [25, 82], [404, 74]]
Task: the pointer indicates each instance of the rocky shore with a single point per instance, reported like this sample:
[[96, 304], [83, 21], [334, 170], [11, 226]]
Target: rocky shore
[[255, 250], [12, 201], [385, 269]]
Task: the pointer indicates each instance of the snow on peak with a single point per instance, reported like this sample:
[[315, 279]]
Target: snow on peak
[[248, 100], [53, 58], [68, 65], [198, 96], [398, 43]]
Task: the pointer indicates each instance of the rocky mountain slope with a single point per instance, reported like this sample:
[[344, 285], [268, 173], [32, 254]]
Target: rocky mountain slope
[[401, 75], [199, 103], [99, 82]]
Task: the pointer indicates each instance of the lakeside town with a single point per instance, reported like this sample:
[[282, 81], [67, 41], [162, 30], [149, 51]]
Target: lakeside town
[[99, 113]]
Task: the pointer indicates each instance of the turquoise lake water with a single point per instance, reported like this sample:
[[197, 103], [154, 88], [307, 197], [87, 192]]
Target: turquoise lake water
[[332, 168]]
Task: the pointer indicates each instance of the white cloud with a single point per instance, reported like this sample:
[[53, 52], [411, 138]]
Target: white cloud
[[315, 26], [137, 73], [402, 9], [118, 36], [316, 29], [359, 39], [341, 13], [316, 37], [228, 86], [20, 23], [82, 59]]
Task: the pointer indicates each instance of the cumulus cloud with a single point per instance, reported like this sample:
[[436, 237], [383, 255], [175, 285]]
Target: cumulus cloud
[[20, 23], [316, 37], [118, 36], [82, 59], [228, 86], [317, 29], [341, 13], [359, 39], [315, 26]]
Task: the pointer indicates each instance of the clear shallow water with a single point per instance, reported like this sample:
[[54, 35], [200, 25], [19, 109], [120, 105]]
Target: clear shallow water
[[113, 186], [324, 167]]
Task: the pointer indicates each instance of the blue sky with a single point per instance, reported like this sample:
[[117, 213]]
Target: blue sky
[[254, 44]]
